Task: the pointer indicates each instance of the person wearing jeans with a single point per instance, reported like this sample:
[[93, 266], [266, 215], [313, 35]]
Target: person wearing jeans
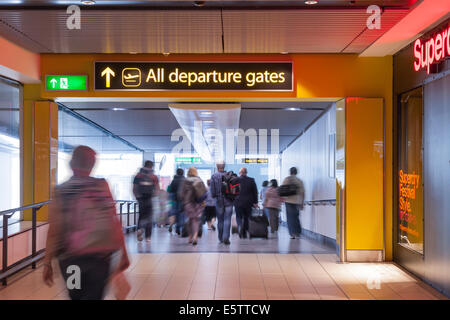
[[224, 206], [294, 204]]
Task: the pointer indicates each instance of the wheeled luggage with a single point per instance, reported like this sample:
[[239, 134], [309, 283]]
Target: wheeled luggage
[[258, 225]]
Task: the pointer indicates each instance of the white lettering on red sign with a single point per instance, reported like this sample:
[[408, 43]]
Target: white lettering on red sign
[[434, 50]]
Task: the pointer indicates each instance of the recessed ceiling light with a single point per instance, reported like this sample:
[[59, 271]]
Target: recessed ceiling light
[[311, 2], [119, 109], [293, 109], [88, 2]]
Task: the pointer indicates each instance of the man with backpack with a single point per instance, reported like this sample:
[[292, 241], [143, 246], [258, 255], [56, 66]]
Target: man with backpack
[[145, 185], [223, 190], [294, 192]]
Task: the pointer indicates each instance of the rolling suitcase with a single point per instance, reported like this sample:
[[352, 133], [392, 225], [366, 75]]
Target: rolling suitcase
[[258, 225]]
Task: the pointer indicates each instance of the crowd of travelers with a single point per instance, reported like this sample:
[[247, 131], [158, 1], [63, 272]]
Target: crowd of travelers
[[85, 233]]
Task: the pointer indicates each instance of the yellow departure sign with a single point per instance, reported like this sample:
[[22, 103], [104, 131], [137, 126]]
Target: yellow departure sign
[[262, 76]]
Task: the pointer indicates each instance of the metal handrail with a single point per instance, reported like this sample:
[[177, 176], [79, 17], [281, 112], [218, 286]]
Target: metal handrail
[[121, 203], [325, 202], [29, 260]]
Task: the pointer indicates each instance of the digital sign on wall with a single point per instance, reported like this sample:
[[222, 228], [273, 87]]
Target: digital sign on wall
[[154, 76]]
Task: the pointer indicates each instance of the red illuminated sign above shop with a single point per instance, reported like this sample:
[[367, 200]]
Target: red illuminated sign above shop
[[436, 49]]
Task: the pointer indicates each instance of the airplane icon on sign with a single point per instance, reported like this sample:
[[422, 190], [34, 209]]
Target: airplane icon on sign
[[131, 77]]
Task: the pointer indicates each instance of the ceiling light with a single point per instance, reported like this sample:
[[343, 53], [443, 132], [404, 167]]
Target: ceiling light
[[199, 3], [206, 113], [311, 2], [119, 109], [284, 52], [293, 109], [208, 121], [133, 52], [88, 2], [166, 53]]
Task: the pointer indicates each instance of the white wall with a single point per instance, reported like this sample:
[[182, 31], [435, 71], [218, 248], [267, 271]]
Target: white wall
[[310, 155]]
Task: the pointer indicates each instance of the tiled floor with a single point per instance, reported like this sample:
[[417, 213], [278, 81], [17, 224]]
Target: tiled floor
[[244, 276], [163, 241]]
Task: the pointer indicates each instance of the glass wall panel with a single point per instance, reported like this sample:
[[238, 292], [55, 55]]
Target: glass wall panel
[[410, 183], [117, 161], [10, 104]]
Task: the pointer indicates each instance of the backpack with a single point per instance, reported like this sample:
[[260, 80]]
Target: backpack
[[198, 187], [89, 218], [230, 185], [145, 185]]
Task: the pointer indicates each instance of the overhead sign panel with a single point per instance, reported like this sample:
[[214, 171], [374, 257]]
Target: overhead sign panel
[[156, 76], [66, 83]]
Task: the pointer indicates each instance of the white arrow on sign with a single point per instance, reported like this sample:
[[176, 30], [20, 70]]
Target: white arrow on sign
[[53, 81]]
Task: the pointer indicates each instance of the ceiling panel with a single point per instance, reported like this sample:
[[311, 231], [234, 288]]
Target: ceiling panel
[[388, 19], [294, 30], [116, 31], [306, 31], [209, 3]]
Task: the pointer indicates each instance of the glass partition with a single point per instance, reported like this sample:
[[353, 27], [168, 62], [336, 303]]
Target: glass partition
[[10, 105], [117, 161]]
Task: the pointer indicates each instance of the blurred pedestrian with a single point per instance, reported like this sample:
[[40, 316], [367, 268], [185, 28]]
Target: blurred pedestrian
[[272, 202], [145, 187], [210, 208], [177, 215], [194, 195], [247, 198], [85, 233], [262, 195], [224, 204], [294, 192]]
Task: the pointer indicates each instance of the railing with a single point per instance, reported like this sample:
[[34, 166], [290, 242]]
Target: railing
[[35, 256], [135, 211], [327, 202], [29, 260]]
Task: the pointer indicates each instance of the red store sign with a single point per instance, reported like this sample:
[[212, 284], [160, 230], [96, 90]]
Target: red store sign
[[432, 51]]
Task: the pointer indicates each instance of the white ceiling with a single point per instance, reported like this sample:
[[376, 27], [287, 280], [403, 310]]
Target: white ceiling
[[150, 125]]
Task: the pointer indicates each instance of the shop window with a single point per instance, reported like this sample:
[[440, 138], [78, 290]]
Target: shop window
[[410, 178]]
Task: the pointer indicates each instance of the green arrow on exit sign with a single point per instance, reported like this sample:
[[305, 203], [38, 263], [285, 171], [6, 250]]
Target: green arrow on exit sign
[[66, 83]]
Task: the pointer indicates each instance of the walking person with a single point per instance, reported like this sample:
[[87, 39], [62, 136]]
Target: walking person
[[145, 186], [84, 231], [210, 208], [294, 201], [272, 203], [194, 195], [262, 195], [224, 204], [247, 198], [177, 215]]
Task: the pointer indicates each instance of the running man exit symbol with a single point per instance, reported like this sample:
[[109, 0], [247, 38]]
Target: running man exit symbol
[[108, 72], [131, 77], [64, 83]]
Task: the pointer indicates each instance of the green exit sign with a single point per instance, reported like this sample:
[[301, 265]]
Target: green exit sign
[[66, 83], [188, 160]]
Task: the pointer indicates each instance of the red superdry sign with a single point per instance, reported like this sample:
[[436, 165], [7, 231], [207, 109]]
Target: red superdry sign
[[435, 49]]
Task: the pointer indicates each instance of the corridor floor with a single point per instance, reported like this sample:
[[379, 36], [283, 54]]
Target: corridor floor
[[207, 276], [280, 242]]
